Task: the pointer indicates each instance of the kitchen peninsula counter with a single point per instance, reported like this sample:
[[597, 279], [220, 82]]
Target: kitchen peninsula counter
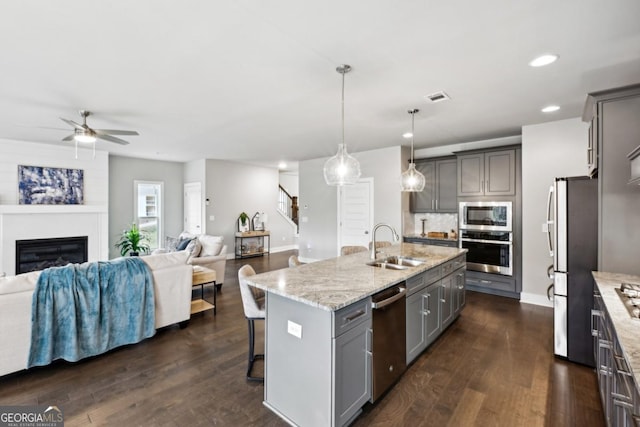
[[319, 327], [338, 282]]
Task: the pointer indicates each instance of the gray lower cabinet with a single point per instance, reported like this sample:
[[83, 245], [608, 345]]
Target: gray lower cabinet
[[488, 173], [352, 372], [319, 373], [459, 290], [433, 303], [618, 391]]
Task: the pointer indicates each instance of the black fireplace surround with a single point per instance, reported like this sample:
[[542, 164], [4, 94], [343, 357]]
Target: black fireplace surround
[[38, 254]]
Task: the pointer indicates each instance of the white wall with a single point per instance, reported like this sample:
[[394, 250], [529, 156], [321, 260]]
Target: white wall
[[549, 150], [123, 171], [233, 188], [14, 153], [18, 222], [289, 181], [319, 203]]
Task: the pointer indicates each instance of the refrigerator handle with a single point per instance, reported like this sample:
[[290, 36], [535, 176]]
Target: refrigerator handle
[[549, 220], [549, 291]]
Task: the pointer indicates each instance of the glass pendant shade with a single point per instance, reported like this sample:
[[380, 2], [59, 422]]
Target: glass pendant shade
[[412, 179], [342, 169]]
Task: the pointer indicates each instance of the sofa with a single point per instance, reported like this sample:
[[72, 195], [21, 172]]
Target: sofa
[[172, 277], [205, 250]]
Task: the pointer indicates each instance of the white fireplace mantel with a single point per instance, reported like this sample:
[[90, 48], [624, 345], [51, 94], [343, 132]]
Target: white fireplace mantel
[[22, 222], [44, 209]]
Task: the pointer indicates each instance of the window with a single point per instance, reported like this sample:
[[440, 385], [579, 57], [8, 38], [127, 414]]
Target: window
[[149, 210]]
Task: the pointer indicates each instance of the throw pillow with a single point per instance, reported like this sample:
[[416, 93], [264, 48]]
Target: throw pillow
[[182, 245], [211, 245], [171, 243], [194, 247]]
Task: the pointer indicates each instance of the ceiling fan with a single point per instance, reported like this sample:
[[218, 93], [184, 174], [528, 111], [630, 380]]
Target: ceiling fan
[[83, 133]]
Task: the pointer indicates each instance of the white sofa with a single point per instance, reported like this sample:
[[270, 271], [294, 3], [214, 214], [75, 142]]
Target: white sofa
[[172, 285], [210, 252]]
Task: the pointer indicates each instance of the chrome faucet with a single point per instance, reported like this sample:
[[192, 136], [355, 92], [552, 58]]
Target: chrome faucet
[[374, 252]]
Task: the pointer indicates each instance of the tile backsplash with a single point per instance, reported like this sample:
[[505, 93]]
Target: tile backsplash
[[434, 222]]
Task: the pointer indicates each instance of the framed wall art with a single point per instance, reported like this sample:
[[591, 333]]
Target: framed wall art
[[38, 185]]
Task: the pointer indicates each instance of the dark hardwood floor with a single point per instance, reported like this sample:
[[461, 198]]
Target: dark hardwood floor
[[493, 367]]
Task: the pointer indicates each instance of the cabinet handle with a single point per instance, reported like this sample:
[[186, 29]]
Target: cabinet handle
[[436, 204], [432, 204], [443, 300], [355, 315], [369, 340]]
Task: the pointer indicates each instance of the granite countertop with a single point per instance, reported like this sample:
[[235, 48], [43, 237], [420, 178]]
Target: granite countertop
[[338, 282], [417, 236], [627, 328]]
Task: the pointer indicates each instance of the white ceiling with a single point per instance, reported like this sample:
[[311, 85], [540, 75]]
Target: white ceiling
[[251, 80]]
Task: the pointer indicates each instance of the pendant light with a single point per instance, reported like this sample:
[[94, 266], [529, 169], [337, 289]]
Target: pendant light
[[342, 168], [412, 179]]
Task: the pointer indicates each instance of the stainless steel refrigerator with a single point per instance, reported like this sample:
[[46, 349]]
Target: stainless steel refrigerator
[[572, 219]]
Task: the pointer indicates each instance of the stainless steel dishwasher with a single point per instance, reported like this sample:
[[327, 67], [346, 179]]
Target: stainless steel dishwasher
[[389, 338]]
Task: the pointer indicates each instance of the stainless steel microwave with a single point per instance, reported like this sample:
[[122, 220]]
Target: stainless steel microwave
[[487, 216]]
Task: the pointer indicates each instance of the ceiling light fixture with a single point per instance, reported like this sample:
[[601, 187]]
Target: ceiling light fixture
[[407, 135], [550, 109], [342, 168], [282, 165], [84, 136], [412, 179], [543, 60]]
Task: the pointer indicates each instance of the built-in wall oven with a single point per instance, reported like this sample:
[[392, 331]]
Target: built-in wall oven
[[486, 232]]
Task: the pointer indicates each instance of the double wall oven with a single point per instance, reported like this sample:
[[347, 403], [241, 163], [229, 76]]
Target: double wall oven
[[486, 231]]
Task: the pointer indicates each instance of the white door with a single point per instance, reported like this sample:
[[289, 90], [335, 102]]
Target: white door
[[193, 208], [355, 213]]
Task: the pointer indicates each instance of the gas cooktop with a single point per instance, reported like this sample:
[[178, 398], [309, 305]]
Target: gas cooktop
[[630, 295]]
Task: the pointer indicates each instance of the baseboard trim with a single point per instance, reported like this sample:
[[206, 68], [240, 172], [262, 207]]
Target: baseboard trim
[[535, 299]]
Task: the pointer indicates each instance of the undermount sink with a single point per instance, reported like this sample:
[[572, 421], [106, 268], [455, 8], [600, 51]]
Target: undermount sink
[[396, 262]]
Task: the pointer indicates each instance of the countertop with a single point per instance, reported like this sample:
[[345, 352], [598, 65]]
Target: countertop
[[338, 282], [627, 328]]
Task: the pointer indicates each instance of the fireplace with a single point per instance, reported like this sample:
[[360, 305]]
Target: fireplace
[[38, 254]]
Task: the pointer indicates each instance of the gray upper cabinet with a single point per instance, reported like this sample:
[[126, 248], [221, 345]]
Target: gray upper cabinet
[[490, 173], [440, 190]]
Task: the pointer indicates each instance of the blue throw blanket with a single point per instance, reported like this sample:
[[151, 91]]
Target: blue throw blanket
[[82, 310]]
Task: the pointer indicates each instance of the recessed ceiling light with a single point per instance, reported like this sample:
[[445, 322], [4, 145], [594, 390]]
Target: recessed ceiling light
[[543, 60], [282, 165], [550, 108], [407, 135]]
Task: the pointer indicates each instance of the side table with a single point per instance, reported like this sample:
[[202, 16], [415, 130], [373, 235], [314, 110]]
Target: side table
[[203, 276]]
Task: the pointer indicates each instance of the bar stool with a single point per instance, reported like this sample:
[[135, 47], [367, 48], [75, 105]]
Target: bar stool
[[253, 303]]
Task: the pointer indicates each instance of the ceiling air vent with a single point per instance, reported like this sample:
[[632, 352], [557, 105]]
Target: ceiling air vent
[[437, 97]]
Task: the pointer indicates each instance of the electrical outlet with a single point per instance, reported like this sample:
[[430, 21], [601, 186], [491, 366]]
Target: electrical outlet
[[294, 329]]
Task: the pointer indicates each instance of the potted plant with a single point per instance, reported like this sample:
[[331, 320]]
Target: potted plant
[[132, 241], [243, 224]]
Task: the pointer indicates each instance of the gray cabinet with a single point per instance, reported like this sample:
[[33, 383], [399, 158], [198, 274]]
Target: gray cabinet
[[433, 303], [433, 242], [488, 173], [352, 372], [614, 113], [446, 301], [618, 391], [432, 312], [440, 190], [459, 298]]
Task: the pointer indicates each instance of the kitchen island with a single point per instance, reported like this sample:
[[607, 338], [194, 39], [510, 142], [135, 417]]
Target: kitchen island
[[319, 329], [617, 354]]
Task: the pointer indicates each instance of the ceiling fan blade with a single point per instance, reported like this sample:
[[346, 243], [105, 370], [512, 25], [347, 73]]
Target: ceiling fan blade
[[112, 139], [72, 123], [69, 138], [115, 132]]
